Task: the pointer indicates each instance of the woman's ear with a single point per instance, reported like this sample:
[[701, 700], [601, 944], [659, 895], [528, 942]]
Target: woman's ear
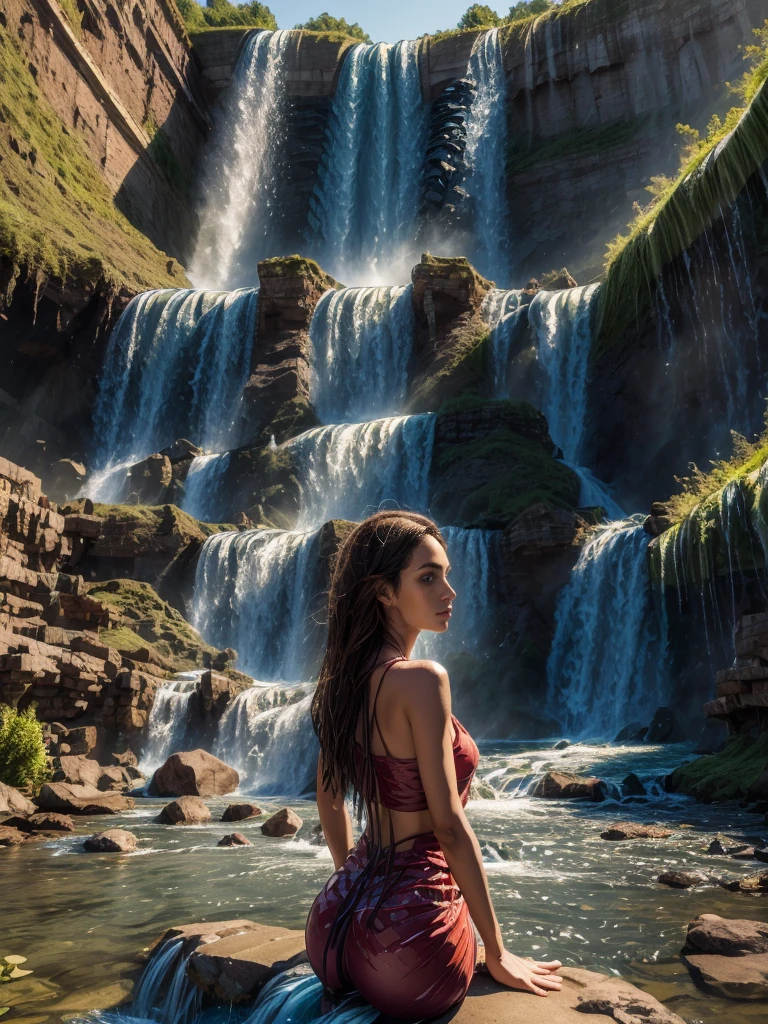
[[385, 594]]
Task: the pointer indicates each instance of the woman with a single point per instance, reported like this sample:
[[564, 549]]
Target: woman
[[393, 921]]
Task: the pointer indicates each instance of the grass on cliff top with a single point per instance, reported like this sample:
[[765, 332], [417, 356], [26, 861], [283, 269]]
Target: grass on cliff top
[[297, 266], [682, 207], [151, 521], [724, 776], [57, 216]]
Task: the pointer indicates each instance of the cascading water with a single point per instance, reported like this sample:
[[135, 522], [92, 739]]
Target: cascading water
[[471, 556], [175, 366], [361, 347], [502, 311], [237, 226], [604, 666], [202, 486], [164, 993], [365, 202], [348, 470], [486, 156], [169, 719], [253, 593]]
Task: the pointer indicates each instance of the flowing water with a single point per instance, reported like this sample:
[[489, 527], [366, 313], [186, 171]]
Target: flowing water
[[361, 348], [239, 180], [203, 486], [175, 366], [366, 198]]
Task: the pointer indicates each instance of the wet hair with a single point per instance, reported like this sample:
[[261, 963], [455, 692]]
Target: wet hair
[[375, 552]]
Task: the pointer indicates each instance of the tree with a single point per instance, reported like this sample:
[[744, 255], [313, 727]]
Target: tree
[[479, 16], [22, 751], [222, 13], [522, 10], [326, 23]]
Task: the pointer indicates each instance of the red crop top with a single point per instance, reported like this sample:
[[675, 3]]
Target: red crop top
[[400, 787]]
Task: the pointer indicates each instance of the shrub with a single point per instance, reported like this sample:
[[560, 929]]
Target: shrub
[[327, 23], [22, 751], [222, 14]]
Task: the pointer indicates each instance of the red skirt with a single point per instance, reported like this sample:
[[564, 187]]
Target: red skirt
[[415, 957]]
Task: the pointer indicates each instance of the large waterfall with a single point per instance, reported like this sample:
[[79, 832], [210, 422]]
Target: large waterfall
[[361, 348], [237, 221], [363, 212], [175, 366]]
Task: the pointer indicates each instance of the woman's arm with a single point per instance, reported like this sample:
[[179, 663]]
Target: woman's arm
[[428, 707], [334, 819]]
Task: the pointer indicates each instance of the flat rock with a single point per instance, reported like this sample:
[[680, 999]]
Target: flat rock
[[733, 977], [723, 845], [725, 936], [195, 935], [684, 879], [284, 822], [233, 969], [114, 840], [41, 822], [187, 810], [634, 830], [568, 785], [234, 839], [239, 812], [193, 773], [14, 802], [74, 799]]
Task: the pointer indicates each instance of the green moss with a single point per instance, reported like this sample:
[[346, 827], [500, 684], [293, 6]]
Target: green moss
[[460, 370], [161, 151], [152, 525], [724, 776], [296, 266], [291, 419], [73, 15], [154, 621], [57, 216]]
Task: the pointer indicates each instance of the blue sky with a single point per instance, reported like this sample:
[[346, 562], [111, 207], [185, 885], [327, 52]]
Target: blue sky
[[385, 21]]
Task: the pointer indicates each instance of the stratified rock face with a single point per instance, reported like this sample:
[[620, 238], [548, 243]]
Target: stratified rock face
[[284, 822], [560, 785], [14, 802], [114, 840], [75, 799], [187, 810], [194, 773]]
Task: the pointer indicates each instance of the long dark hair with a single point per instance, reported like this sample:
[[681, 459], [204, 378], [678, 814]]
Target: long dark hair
[[376, 551]]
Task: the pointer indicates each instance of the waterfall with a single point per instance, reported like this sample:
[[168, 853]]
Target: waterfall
[[273, 749], [348, 470], [175, 366], [166, 972], [168, 720], [361, 347], [366, 198], [470, 554], [202, 487], [253, 592], [603, 668], [239, 180], [295, 995], [503, 312], [562, 324], [486, 156]]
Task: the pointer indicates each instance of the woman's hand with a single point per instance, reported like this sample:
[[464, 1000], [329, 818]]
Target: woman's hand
[[535, 976]]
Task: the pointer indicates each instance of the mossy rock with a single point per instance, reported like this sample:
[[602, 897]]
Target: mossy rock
[[723, 776], [459, 370], [262, 481], [145, 529], [291, 419], [154, 622], [297, 266]]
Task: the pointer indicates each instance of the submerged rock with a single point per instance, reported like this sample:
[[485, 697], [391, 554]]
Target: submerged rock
[[114, 840], [635, 830], [284, 822], [234, 839], [732, 977], [187, 810], [193, 773], [239, 812], [560, 785], [685, 879]]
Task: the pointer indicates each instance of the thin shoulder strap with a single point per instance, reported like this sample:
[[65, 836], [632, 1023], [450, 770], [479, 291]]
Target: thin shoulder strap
[[388, 666]]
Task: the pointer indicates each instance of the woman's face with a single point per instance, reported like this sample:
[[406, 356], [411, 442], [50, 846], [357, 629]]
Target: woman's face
[[425, 596]]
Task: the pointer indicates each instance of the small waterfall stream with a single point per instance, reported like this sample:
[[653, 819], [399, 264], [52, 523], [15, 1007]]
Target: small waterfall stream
[[202, 486], [168, 720]]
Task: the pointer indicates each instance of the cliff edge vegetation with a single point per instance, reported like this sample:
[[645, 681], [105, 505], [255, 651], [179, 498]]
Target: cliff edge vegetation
[[57, 216]]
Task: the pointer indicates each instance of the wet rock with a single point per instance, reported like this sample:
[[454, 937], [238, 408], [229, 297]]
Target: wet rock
[[147, 481], [712, 737], [196, 935], [44, 821], [180, 450], [284, 822], [187, 810], [732, 977], [74, 799], [725, 936], [561, 785], [634, 830], [750, 883], [684, 879], [318, 836], [557, 280], [562, 745], [14, 802], [234, 968], [12, 836], [194, 773], [663, 727], [114, 840], [239, 812], [629, 732], [234, 839], [723, 845], [632, 786]]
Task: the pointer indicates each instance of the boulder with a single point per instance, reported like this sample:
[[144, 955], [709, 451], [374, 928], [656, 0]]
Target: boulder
[[74, 799], [78, 770], [14, 802], [560, 785], [725, 846], [239, 812], [663, 727], [725, 936], [114, 840], [233, 969], [187, 810], [52, 821], [684, 879], [634, 830], [562, 745], [732, 977], [193, 773], [12, 836], [82, 740], [632, 786], [284, 822], [125, 759], [234, 839]]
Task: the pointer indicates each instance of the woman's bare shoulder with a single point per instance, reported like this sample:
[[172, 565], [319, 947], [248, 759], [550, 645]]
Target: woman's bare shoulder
[[420, 670], [421, 680]]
